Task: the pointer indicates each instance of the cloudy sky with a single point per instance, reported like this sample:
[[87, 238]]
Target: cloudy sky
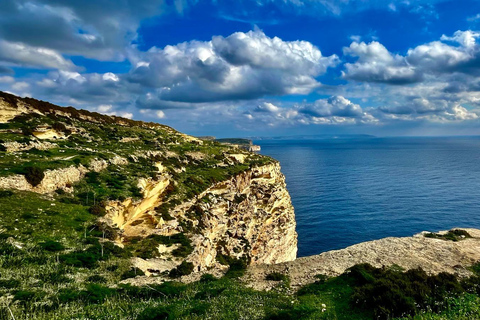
[[253, 67]]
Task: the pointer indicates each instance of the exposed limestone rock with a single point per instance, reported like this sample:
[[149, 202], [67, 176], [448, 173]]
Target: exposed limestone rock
[[8, 111], [53, 180], [14, 146], [118, 161], [98, 165], [239, 158], [249, 215], [432, 255], [128, 139], [48, 134], [124, 214]]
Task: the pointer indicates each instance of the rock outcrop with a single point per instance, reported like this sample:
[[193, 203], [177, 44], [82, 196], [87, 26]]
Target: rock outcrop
[[432, 255], [248, 216], [53, 180]]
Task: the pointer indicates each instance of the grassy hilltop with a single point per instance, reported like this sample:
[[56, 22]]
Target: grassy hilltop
[[57, 262]]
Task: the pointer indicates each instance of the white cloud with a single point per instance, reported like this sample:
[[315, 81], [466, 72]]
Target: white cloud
[[241, 66], [104, 108], [96, 29], [160, 114], [19, 86], [24, 55], [376, 64], [7, 79]]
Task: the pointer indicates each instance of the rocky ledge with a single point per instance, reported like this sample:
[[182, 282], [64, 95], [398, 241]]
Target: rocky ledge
[[431, 254]]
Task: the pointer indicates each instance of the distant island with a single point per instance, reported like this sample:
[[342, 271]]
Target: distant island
[[316, 137], [242, 143]]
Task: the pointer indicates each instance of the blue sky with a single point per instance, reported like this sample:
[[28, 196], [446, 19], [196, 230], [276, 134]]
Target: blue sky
[[253, 68]]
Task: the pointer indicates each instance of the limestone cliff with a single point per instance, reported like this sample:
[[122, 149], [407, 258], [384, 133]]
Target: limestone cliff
[[247, 216], [218, 201]]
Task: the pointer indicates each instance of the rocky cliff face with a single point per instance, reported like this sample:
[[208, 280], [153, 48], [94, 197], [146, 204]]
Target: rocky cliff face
[[170, 198], [249, 216]]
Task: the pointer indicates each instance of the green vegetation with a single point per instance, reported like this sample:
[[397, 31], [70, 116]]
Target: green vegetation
[[238, 141], [452, 235], [34, 175]]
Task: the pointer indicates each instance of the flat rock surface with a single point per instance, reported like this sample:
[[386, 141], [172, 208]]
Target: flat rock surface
[[432, 255]]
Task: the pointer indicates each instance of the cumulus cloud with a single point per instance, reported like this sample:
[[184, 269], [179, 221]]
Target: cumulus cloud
[[28, 56], [336, 110], [376, 64], [336, 106], [242, 66], [94, 29]]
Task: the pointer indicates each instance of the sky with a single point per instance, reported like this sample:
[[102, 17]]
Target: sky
[[253, 67]]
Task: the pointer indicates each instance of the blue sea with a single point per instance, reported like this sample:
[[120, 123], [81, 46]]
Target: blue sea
[[347, 191]]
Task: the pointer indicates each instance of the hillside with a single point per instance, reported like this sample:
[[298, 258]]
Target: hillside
[[108, 218]]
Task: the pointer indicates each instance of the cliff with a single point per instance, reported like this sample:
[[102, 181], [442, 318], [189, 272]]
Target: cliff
[[150, 184], [432, 254]]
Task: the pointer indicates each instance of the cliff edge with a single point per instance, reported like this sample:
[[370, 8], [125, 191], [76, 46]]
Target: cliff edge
[[433, 254], [172, 201]]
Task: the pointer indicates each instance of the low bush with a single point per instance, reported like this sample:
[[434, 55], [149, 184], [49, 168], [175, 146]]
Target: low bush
[[80, 259], [52, 246], [5, 193], [96, 279], [207, 277], [98, 209], [96, 293], [155, 313], [132, 273], [389, 293], [276, 276], [185, 268], [9, 284], [34, 175], [452, 235]]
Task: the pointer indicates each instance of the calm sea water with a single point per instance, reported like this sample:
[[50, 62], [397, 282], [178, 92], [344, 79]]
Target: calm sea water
[[350, 191]]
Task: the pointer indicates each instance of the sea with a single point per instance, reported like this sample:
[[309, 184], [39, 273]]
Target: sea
[[351, 190]]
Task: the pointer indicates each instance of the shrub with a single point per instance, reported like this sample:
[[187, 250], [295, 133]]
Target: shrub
[[292, 313], [34, 175], [5, 193], [98, 210], [185, 268], [96, 293], [58, 126], [132, 273], [276, 276], [162, 312], [24, 296], [68, 295], [97, 278], [9, 284], [207, 277], [390, 293], [80, 259], [52, 246], [452, 235]]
